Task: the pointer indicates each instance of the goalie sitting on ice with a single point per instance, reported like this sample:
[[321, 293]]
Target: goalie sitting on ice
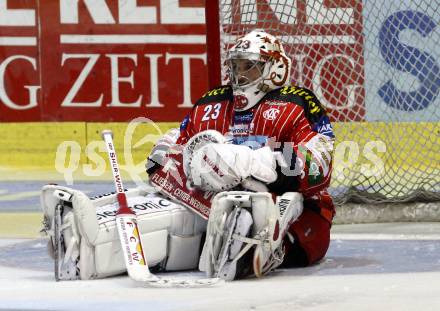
[[263, 145]]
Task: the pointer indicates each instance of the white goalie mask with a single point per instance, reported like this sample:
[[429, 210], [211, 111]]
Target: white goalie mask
[[257, 65]]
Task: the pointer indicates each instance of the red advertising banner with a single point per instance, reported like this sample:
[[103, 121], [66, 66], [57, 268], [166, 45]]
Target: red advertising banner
[[102, 60], [97, 60], [20, 84]]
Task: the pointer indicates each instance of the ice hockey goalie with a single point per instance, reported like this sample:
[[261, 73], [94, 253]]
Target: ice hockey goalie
[[266, 147], [258, 154]]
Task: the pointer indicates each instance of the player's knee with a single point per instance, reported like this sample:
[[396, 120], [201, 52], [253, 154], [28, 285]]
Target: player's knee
[[311, 239]]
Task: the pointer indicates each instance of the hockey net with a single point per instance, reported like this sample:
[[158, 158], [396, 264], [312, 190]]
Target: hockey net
[[374, 66]]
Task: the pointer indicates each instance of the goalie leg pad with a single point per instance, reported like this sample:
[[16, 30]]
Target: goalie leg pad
[[232, 262], [183, 252], [270, 255], [163, 226], [243, 223], [230, 231]]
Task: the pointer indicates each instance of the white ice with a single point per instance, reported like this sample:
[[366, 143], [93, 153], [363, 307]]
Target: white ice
[[368, 267]]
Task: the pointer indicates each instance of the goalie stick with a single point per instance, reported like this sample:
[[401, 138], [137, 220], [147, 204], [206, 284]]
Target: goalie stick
[[129, 235]]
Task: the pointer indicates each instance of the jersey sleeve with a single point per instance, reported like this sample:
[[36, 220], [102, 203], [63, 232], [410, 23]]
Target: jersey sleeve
[[308, 149]]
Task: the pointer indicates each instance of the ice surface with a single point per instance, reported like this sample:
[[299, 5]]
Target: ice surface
[[399, 271]]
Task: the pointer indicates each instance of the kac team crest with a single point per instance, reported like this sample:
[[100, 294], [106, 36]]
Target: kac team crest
[[271, 114]]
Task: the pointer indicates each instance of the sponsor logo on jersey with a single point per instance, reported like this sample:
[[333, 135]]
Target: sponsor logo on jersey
[[252, 141], [240, 129], [243, 117], [215, 92], [324, 127], [275, 103], [241, 124], [271, 114], [322, 147], [314, 176], [313, 107]]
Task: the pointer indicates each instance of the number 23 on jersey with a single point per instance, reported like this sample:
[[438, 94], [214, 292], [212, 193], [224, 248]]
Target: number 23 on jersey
[[211, 112]]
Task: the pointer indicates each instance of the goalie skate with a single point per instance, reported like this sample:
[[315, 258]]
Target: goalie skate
[[65, 251]]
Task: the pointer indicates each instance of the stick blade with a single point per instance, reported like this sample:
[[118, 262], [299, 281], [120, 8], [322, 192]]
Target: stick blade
[[132, 248], [155, 281]]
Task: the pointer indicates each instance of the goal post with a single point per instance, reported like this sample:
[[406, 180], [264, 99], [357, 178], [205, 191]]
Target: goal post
[[213, 43], [375, 66]]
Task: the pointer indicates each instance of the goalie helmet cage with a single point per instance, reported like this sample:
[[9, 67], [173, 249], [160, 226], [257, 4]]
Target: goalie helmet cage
[[373, 66]]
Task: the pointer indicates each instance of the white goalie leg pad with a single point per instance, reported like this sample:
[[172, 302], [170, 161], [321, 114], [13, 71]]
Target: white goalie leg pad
[[171, 234], [231, 234], [270, 254], [228, 226]]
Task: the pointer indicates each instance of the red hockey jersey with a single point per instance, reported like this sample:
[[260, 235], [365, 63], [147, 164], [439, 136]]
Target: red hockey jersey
[[290, 120]]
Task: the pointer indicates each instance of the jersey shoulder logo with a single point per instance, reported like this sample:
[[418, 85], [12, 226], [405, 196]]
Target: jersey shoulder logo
[[324, 127]]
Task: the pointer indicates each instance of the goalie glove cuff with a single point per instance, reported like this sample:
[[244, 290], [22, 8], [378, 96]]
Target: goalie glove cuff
[[159, 152]]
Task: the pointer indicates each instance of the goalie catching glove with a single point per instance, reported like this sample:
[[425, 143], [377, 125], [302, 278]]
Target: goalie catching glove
[[218, 166]]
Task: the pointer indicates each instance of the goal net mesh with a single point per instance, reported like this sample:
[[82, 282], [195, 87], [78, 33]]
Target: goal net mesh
[[374, 66]]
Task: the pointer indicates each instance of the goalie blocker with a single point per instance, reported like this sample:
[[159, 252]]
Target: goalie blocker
[[84, 241]]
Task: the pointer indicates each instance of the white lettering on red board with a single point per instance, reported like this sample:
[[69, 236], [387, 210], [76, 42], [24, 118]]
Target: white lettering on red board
[[129, 12]]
